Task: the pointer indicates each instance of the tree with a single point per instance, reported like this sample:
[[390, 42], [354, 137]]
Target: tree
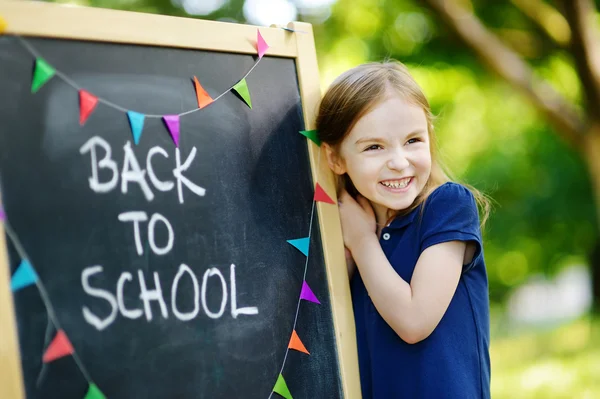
[[574, 29]]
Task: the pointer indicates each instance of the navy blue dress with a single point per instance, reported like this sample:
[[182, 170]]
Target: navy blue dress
[[453, 362]]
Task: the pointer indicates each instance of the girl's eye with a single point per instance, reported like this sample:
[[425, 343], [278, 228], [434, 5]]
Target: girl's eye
[[413, 140], [373, 147]]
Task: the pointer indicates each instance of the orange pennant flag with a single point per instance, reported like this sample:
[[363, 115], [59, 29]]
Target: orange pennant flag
[[59, 347], [296, 344], [203, 98]]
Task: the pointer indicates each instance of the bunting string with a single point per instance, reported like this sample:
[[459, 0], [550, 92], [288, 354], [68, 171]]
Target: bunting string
[[44, 295], [110, 104], [312, 212], [26, 273]]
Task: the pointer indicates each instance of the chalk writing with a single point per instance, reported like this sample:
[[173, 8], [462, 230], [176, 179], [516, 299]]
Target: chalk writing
[[105, 178]]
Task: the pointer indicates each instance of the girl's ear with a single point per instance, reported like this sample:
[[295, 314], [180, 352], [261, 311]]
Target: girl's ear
[[336, 164]]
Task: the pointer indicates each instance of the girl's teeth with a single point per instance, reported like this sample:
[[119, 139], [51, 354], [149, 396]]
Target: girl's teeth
[[396, 184]]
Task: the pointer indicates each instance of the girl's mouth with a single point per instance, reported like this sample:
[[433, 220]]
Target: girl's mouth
[[397, 185]]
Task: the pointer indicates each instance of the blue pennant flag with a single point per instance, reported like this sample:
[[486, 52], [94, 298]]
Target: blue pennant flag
[[301, 244], [136, 120], [24, 276]]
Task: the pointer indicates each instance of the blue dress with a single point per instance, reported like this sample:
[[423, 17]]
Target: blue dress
[[453, 362]]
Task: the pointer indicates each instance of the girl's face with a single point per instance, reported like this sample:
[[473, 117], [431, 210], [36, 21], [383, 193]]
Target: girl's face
[[387, 155]]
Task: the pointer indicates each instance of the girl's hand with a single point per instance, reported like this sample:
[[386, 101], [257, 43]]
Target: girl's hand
[[357, 217]]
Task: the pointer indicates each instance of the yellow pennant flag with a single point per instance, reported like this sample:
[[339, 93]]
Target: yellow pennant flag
[[3, 25]]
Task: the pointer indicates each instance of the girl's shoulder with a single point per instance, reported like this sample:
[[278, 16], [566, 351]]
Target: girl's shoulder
[[450, 194], [449, 206]]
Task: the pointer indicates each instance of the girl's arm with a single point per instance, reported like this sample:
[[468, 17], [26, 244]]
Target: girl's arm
[[412, 310]]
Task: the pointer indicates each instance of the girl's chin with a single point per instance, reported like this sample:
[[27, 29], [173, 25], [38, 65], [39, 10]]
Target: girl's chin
[[393, 206], [399, 205]]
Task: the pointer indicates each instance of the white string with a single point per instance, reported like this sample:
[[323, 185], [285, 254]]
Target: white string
[[312, 212], [110, 104], [44, 295]]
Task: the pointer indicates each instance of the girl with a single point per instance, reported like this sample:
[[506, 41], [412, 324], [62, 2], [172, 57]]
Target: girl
[[420, 294]]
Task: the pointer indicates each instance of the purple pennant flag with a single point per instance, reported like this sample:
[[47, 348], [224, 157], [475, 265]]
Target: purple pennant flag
[[2, 214], [307, 294], [172, 122]]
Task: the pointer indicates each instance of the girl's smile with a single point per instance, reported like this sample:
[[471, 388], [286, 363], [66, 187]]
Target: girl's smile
[[387, 155], [396, 185]]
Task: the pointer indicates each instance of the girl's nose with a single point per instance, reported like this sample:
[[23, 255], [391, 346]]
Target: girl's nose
[[398, 161]]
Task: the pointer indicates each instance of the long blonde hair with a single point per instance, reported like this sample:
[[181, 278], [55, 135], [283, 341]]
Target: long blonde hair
[[358, 90]]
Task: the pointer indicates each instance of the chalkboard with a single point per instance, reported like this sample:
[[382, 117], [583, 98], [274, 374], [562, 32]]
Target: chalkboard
[[167, 267]]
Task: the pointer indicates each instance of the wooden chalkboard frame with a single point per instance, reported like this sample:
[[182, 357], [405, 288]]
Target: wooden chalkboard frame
[[55, 21]]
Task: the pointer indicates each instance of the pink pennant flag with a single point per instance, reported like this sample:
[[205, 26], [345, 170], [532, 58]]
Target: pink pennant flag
[[59, 347], [307, 294], [261, 45], [2, 214], [172, 122]]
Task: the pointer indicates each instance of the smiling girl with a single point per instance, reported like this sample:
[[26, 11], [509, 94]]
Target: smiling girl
[[418, 277]]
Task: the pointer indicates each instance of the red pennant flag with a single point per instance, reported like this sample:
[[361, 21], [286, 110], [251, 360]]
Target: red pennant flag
[[321, 195], [296, 344], [203, 98], [87, 103], [59, 347]]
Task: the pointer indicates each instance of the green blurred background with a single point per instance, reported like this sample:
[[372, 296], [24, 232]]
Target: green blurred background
[[516, 89]]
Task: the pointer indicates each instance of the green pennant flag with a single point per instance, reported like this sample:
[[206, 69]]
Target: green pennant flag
[[312, 135], [42, 73], [94, 393], [241, 88], [281, 388]]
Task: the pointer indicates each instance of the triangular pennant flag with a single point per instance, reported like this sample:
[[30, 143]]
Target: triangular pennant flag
[[94, 392], [87, 103], [321, 195], [136, 121], [42, 73], [296, 344], [172, 122], [307, 294], [203, 98], [241, 88], [311, 134], [261, 45], [59, 347], [2, 214], [301, 244], [281, 388], [3, 25], [24, 276]]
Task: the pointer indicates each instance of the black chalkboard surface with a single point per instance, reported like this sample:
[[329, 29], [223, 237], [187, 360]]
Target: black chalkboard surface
[[167, 268]]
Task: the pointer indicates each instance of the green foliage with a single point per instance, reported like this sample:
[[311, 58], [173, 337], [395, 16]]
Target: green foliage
[[490, 136], [559, 364]]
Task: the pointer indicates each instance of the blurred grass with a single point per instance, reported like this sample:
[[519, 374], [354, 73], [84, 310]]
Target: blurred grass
[[553, 364]]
